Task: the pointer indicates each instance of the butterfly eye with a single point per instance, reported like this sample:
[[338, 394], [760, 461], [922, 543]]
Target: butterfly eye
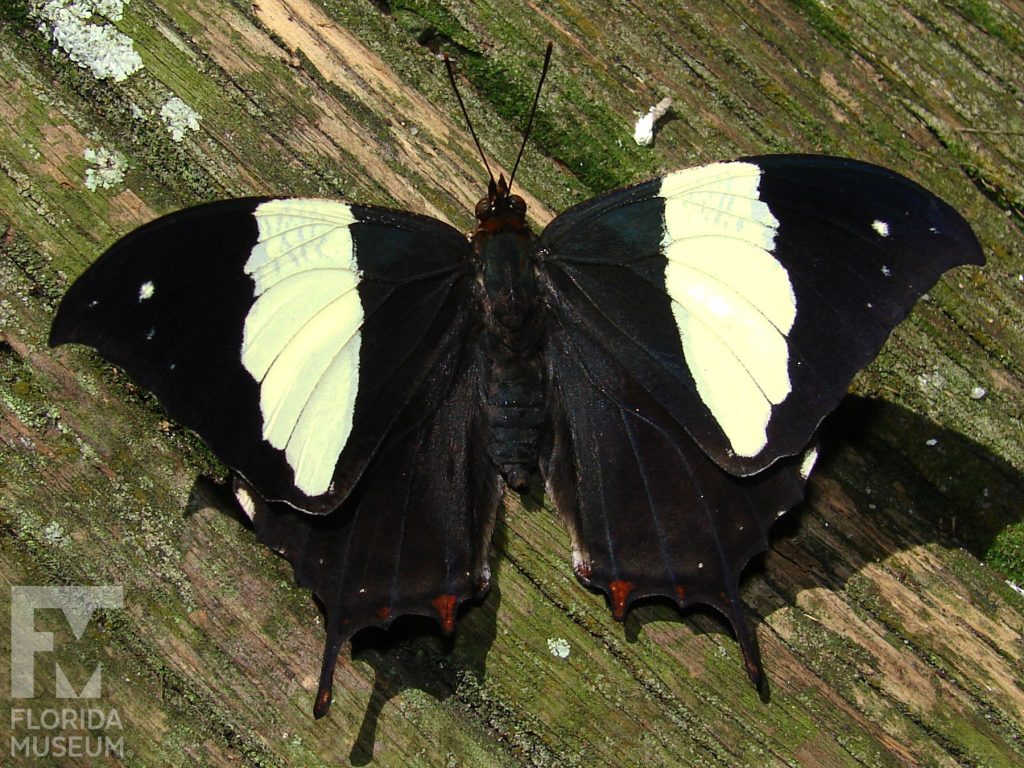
[[483, 208], [517, 205]]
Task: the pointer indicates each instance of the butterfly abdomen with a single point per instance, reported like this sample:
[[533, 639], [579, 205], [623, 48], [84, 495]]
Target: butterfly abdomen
[[514, 404], [513, 386]]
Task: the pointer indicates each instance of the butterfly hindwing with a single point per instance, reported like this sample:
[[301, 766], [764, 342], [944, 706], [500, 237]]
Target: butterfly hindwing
[[289, 333], [414, 536], [744, 296], [649, 514]]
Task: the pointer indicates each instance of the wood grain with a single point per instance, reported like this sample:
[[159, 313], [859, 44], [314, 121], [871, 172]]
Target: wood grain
[[889, 634]]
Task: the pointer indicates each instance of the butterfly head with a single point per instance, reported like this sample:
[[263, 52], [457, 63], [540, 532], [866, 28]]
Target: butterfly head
[[500, 210]]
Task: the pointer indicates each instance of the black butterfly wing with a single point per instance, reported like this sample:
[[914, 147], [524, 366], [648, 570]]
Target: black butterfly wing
[[289, 334], [412, 538], [703, 325]]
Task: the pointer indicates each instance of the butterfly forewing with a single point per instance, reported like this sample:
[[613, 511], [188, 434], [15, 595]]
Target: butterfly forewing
[[861, 244], [744, 296], [289, 333]]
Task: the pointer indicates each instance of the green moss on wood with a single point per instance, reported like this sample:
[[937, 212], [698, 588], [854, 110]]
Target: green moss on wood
[[101, 487]]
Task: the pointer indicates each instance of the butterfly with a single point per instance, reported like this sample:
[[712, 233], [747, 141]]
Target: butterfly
[[663, 354]]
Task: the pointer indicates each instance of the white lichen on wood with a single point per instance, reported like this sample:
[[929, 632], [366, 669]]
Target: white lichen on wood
[[108, 171], [179, 117], [53, 534], [559, 647], [80, 28]]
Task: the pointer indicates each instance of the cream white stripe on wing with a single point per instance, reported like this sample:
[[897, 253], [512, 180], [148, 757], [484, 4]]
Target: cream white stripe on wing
[[732, 300], [302, 334]]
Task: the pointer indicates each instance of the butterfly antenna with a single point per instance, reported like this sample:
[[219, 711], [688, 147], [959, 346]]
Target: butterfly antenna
[[451, 78], [533, 111]]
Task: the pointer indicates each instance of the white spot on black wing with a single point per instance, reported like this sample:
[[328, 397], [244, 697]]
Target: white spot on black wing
[[881, 227], [245, 501], [807, 464], [146, 290]]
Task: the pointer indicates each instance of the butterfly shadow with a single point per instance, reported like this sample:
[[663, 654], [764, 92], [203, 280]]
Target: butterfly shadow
[[413, 653], [887, 480]]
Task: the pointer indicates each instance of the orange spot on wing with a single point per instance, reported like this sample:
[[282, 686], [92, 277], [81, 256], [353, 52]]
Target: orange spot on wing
[[383, 612], [681, 593], [323, 702], [445, 607], [620, 594]]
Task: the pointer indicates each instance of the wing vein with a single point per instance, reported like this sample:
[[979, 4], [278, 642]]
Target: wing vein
[[651, 505], [291, 248], [305, 324]]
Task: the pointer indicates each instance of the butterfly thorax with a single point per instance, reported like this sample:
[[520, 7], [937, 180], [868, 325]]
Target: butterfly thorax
[[512, 391]]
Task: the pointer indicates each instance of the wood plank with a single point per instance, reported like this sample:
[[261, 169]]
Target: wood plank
[[889, 634]]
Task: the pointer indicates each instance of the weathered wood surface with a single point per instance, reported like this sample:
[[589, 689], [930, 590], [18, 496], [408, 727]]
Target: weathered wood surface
[[886, 638]]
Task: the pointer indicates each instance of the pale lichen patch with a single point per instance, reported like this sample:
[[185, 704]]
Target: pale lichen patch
[[78, 28], [107, 168], [559, 647], [179, 117], [53, 534]]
